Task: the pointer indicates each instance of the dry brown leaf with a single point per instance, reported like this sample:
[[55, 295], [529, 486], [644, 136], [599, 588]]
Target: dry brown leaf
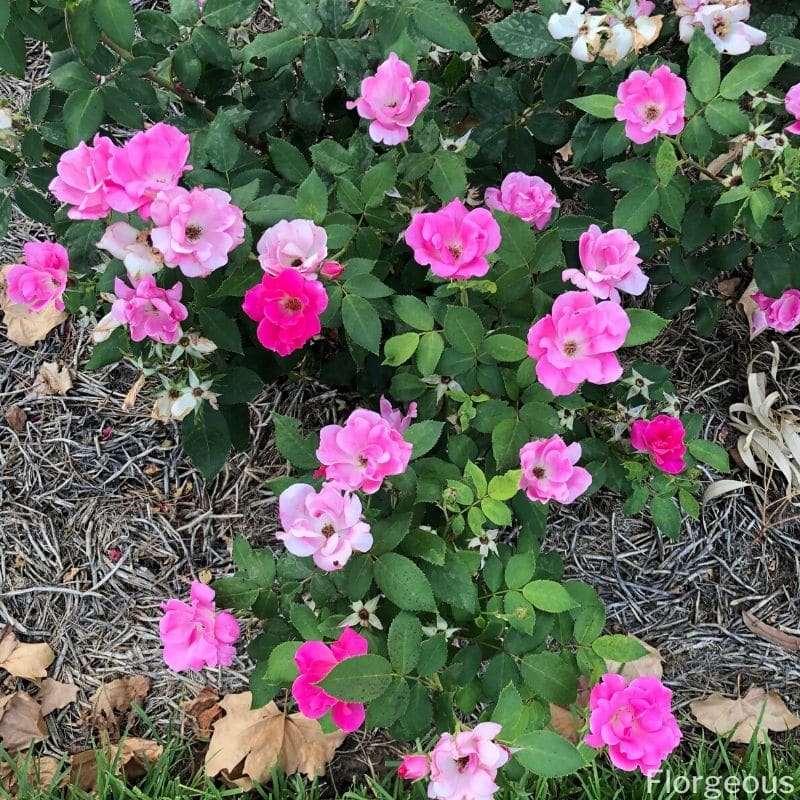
[[132, 756], [743, 715], [26, 328], [22, 660], [203, 710], [749, 306], [566, 720], [774, 635], [646, 666], [40, 772], [54, 695], [730, 288], [566, 151], [21, 722], [112, 701], [51, 380], [16, 418], [247, 743]]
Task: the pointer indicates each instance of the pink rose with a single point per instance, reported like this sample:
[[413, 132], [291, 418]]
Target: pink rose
[[651, 104], [84, 181], [151, 162], [300, 245], [327, 525], [195, 230], [525, 196], [577, 342], [287, 308], [331, 270], [792, 103], [42, 279], [663, 438], [635, 721], [549, 471], [465, 765], [362, 452], [610, 264], [131, 246], [724, 25], [315, 660], [392, 100], [781, 313], [413, 767], [195, 634], [150, 311], [395, 417], [453, 241]]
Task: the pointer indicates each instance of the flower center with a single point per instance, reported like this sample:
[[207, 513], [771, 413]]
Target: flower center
[[538, 472], [193, 232], [721, 26], [462, 763], [629, 22], [197, 391], [363, 614], [298, 262], [454, 250], [652, 112], [328, 530], [173, 394], [570, 348], [183, 341], [292, 304]]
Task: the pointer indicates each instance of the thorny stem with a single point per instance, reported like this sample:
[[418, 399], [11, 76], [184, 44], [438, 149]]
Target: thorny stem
[[699, 167]]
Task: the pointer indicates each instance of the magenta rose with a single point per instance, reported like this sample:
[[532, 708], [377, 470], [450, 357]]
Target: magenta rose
[[150, 311], [663, 439], [651, 104], [42, 279], [780, 313]]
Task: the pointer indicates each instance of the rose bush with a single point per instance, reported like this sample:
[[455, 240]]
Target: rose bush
[[367, 196]]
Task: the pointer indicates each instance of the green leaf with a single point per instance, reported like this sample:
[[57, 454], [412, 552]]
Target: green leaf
[[631, 174], [221, 329], [331, 157], [288, 160], [186, 65], [377, 181], [589, 623], [518, 243], [83, 112], [504, 487], [390, 706], [12, 51], [423, 436], [413, 312], [696, 137], [666, 516], [71, 76], [236, 592], [206, 440], [258, 564], [184, 12], [33, 205], [300, 452], [279, 48], [361, 322], [389, 532], [547, 754], [398, 349], [224, 149], [111, 351], [404, 583], [227, 13], [598, 105], [319, 66], [358, 679], [725, 117], [432, 655], [618, 647], [119, 107], [634, 210], [703, 76], [666, 161], [268, 210], [429, 351], [524, 35], [441, 23], [645, 326], [115, 19], [299, 15], [750, 74], [508, 437], [366, 286], [312, 198], [519, 570], [404, 640], [550, 677], [281, 666], [463, 329], [448, 176], [709, 453], [549, 596], [502, 347]]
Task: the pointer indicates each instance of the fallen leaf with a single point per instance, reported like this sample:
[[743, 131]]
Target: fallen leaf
[[723, 487], [26, 328], [749, 306], [203, 710], [21, 722], [730, 287], [16, 418], [132, 757], [54, 695], [566, 151], [130, 398], [646, 666], [51, 380], [774, 635], [112, 701], [248, 743], [567, 720], [756, 711], [22, 660], [40, 773]]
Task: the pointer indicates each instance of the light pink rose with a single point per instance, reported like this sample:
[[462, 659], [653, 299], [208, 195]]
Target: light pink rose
[[792, 103], [326, 525], [464, 766], [392, 100], [150, 311], [549, 471], [577, 342], [300, 245], [525, 196], [395, 417], [315, 660], [651, 104], [331, 270], [413, 767], [195, 634], [781, 313], [42, 279], [663, 438], [195, 230], [362, 452], [83, 179], [610, 264], [131, 246], [150, 162], [287, 309], [635, 721], [453, 241], [724, 25]]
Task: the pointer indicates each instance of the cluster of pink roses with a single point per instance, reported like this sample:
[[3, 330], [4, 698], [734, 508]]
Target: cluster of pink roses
[[42, 279]]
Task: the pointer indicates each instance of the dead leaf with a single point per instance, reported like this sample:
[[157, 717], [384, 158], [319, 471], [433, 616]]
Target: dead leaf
[[247, 743], [774, 635], [203, 710], [646, 666], [51, 380], [40, 773], [741, 716], [26, 328], [720, 162], [22, 660], [130, 398], [750, 307], [565, 152], [723, 487], [16, 418], [132, 757], [730, 288], [111, 702], [566, 720], [54, 695], [21, 722]]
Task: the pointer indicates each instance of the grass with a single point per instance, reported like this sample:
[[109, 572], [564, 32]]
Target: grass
[[754, 773]]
